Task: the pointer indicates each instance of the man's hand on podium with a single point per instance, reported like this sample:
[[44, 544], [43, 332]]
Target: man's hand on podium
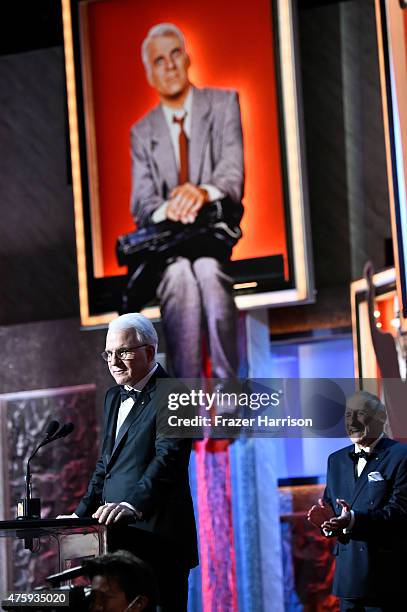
[[113, 512]]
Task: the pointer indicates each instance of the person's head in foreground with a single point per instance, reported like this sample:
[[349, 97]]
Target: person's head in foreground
[[121, 583], [365, 417]]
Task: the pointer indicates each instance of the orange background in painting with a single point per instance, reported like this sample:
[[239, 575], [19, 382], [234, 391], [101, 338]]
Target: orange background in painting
[[405, 28], [230, 47], [387, 313]]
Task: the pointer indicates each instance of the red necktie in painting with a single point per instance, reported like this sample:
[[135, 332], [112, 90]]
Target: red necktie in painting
[[183, 171]]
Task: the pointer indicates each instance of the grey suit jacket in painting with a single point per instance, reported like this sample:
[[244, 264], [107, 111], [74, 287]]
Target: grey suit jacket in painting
[[371, 559], [215, 152]]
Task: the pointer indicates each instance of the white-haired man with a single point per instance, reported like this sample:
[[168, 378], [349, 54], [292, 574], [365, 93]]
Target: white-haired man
[[140, 475], [365, 506], [186, 152]]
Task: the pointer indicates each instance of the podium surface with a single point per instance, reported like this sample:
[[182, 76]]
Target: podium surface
[[74, 540], [38, 527]]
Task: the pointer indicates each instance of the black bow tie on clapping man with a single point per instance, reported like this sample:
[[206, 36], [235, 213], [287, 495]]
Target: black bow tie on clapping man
[[126, 393], [360, 455]]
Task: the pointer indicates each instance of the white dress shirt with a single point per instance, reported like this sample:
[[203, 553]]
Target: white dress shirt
[[128, 404], [174, 128], [360, 466]]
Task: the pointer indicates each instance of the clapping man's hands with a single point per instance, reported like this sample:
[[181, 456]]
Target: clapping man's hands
[[338, 523], [320, 514]]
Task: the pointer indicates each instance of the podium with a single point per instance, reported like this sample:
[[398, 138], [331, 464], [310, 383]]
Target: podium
[[76, 539]]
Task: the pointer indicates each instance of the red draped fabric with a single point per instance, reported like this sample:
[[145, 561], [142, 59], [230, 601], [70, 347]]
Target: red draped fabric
[[217, 552]]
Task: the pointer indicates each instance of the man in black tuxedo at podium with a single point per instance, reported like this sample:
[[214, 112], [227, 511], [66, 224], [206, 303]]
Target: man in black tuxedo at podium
[[365, 507], [141, 476]]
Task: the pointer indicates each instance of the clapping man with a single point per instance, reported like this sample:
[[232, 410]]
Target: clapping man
[[365, 507]]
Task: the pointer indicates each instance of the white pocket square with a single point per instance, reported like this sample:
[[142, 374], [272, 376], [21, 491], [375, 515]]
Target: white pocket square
[[375, 477]]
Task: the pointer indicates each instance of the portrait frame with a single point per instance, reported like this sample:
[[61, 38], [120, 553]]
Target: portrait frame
[[391, 27], [365, 362], [257, 284]]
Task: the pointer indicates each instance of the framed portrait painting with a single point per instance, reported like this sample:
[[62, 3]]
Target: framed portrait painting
[[247, 143]]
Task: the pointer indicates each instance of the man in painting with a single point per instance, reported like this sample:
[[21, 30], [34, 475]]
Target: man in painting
[[186, 153]]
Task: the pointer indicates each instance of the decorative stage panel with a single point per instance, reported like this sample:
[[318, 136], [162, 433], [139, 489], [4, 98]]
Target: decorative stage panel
[[308, 563], [60, 471]]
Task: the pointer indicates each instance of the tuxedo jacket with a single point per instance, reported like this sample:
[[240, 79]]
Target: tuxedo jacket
[[371, 559], [215, 152], [146, 470]]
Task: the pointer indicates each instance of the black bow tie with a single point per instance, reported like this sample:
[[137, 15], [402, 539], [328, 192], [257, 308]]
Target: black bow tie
[[360, 455], [125, 394]]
